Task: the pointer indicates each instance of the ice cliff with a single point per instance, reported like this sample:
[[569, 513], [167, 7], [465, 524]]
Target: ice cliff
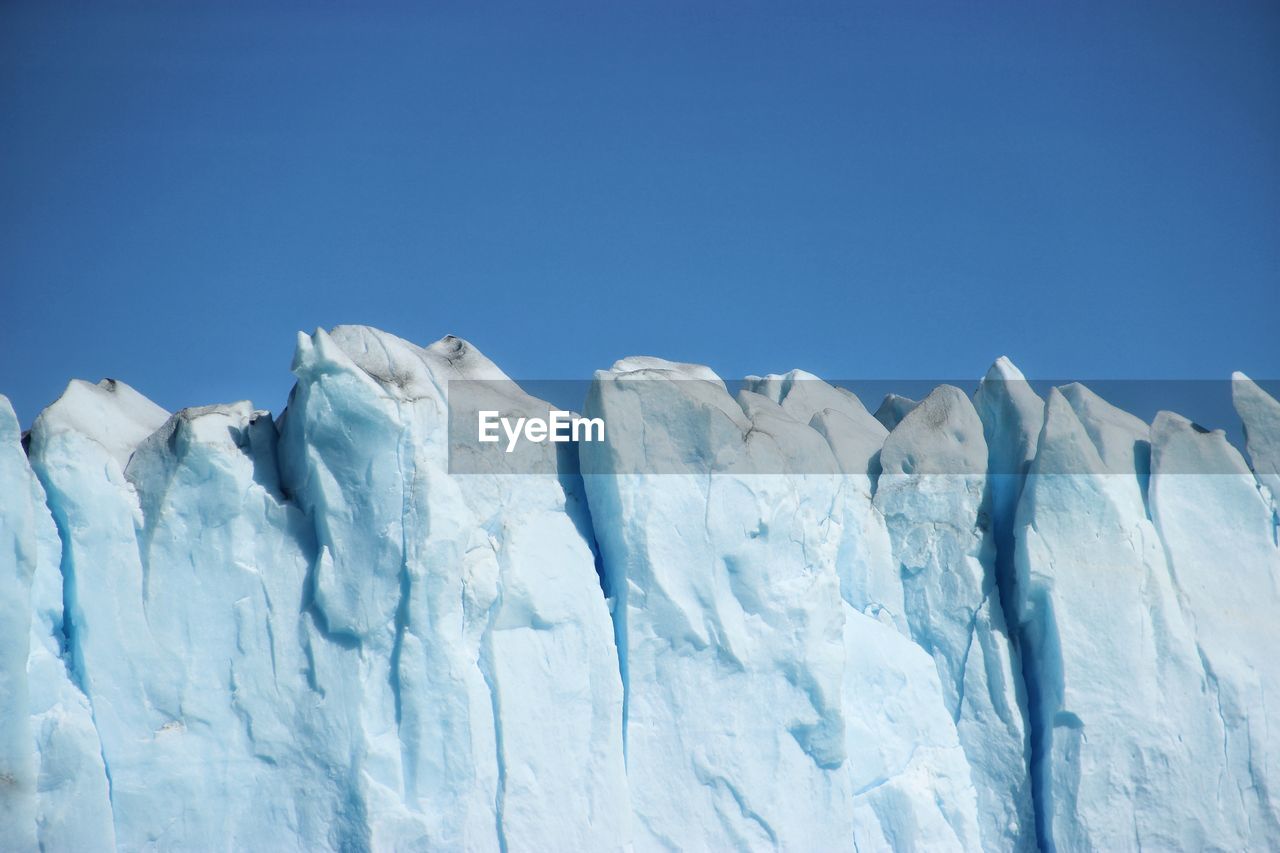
[[762, 620]]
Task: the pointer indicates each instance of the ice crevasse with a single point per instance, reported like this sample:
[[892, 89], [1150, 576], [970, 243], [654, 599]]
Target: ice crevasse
[[762, 620]]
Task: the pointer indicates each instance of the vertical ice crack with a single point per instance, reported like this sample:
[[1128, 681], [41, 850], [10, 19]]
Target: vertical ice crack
[[495, 704], [408, 474], [1039, 728], [615, 593], [70, 642], [964, 662], [1003, 516]]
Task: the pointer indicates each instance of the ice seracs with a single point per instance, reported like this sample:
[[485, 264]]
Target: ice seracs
[[934, 495], [486, 691], [55, 791], [78, 448], [225, 560], [728, 611], [1109, 649], [186, 573], [735, 609], [1218, 537], [1261, 416], [869, 578], [763, 621], [893, 408], [1012, 416]]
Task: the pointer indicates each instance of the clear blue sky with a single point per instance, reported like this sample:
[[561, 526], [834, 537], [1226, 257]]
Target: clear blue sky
[[863, 190]]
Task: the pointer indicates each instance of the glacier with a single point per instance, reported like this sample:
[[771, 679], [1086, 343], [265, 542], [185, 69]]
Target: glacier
[[755, 617]]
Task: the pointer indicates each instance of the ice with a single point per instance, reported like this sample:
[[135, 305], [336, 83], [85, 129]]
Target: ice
[[762, 621], [748, 721], [728, 611], [806, 397], [1012, 416], [225, 561], [1218, 535], [54, 792], [76, 448], [18, 759], [869, 578], [1261, 416], [186, 576], [487, 688], [1128, 745], [893, 408], [1121, 440], [934, 497], [109, 413], [246, 646], [902, 746]]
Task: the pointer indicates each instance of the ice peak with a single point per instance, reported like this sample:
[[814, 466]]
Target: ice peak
[[401, 369], [10, 431], [893, 409], [804, 395], [1091, 407], [1199, 450], [1012, 414], [1065, 445], [1260, 413], [1122, 440], [109, 412], [660, 367], [903, 639], [203, 424], [1004, 369], [941, 435], [777, 386]]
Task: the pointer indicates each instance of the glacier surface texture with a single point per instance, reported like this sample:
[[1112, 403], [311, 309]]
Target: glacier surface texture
[[768, 620]]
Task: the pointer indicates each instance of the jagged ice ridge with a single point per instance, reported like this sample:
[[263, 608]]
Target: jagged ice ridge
[[769, 621]]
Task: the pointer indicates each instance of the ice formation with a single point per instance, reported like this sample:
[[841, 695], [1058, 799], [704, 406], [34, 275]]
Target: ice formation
[[768, 620]]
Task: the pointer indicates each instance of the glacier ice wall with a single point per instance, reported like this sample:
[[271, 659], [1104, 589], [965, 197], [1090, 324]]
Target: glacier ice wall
[[485, 689], [767, 620], [934, 496], [728, 612], [1128, 741], [1213, 522], [55, 792]]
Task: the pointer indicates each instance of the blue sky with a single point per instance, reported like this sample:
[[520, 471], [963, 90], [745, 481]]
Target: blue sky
[[860, 189]]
